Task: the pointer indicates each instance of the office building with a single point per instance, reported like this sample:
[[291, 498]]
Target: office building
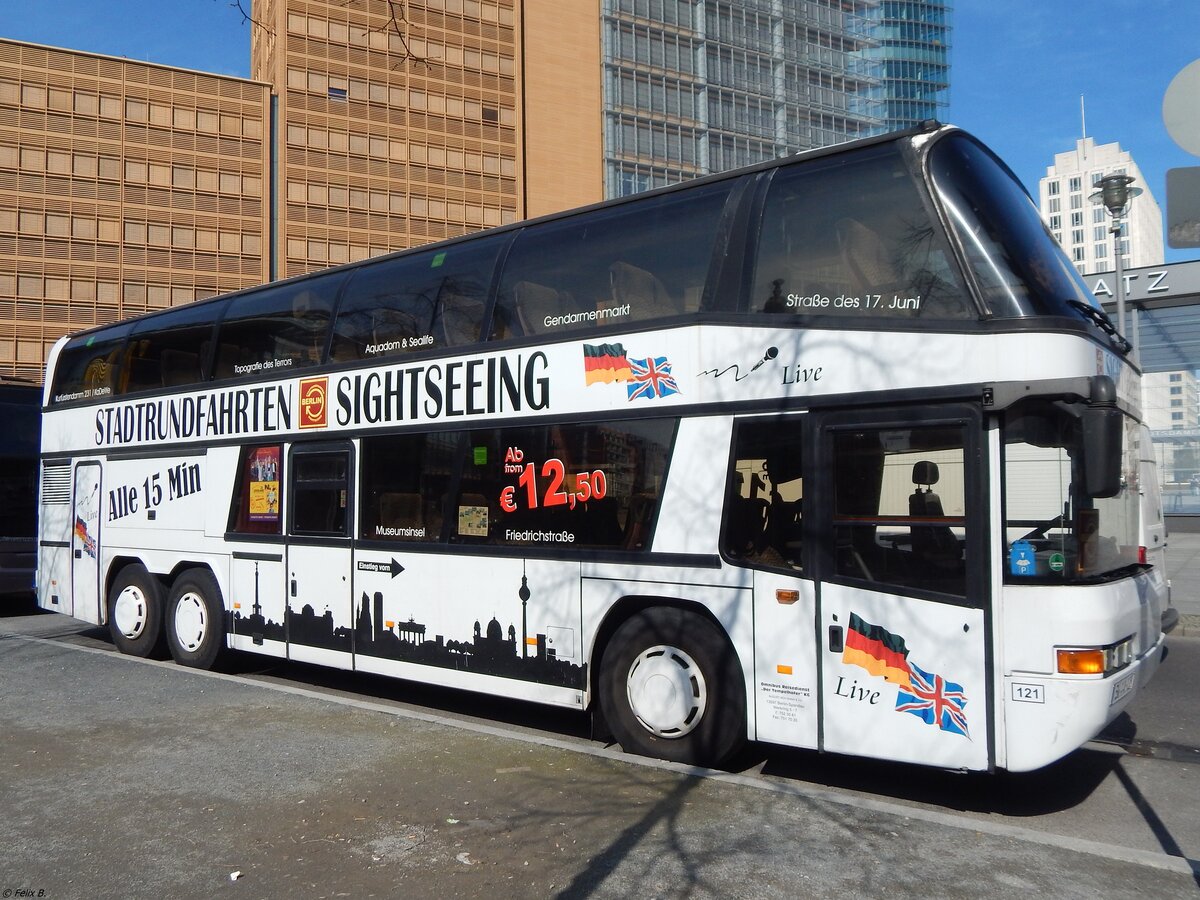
[[913, 51], [697, 87], [124, 187], [1082, 226], [392, 132]]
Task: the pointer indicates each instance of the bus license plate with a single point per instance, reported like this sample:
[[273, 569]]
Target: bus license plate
[[1122, 688]]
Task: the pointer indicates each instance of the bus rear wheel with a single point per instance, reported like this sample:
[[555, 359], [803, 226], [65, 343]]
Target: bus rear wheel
[[671, 687], [195, 619], [135, 612]]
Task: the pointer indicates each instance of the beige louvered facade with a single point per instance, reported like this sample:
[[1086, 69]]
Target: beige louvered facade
[[124, 187], [392, 133]]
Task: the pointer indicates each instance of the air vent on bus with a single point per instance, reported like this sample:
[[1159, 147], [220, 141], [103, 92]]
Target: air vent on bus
[[56, 483]]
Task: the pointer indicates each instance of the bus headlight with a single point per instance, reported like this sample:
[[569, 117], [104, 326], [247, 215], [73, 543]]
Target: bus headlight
[[1095, 660]]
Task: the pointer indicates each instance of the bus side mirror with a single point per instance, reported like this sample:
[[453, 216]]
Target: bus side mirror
[[1103, 427]]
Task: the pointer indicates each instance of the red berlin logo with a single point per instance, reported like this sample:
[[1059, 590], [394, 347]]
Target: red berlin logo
[[313, 409]]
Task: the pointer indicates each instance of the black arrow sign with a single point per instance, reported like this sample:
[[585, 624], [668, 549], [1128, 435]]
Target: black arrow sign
[[394, 567]]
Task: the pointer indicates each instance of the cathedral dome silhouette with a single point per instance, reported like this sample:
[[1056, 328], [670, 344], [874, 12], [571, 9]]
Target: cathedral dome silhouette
[[494, 631]]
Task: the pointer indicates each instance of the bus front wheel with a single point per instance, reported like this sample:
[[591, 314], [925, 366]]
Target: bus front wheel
[[195, 619], [135, 612], [671, 687]]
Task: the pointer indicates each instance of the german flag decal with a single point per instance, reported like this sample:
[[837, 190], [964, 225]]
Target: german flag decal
[[877, 650], [605, 363]]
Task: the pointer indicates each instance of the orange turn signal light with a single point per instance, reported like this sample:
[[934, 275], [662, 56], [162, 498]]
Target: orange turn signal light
[[787, 598], [1081, 662]]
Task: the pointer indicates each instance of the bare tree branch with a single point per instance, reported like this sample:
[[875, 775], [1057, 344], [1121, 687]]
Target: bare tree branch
[[397, 23], [248, 17]]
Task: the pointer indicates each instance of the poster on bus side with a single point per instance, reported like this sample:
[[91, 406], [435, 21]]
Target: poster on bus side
[[264, 485]]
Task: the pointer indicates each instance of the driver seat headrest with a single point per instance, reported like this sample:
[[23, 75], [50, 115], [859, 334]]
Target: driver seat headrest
[[925, 472]]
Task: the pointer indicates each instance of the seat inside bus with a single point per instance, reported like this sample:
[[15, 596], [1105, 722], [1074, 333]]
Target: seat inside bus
[[644, 291], [933, 545]]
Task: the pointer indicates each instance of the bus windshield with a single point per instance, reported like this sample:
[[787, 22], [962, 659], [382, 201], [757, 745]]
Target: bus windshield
[[1054, 531], [1018, 265]]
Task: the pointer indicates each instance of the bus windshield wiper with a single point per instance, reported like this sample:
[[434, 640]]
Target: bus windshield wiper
[[1101, 320]]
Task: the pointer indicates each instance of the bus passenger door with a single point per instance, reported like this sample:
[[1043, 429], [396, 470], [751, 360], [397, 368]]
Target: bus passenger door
[[84, 602], [319, 555], [903, 611], [762, 531]]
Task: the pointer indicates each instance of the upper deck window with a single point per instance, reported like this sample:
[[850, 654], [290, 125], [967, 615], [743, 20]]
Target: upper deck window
[[169, 350], [419, 302], [646, 259], [278, 329], [88, 367], [852, 236]]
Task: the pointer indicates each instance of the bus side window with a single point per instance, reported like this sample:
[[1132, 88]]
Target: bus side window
[[319, 493], [277, 329], [405, 478], [899, 511], [165, 350], [637, 287], [89, 366], [640, 261], [570, 486], [256, 502], [765, 496], [419, 301]]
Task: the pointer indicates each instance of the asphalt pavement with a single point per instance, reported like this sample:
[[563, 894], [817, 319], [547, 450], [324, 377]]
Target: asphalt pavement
[[143, 779], [124, 777]]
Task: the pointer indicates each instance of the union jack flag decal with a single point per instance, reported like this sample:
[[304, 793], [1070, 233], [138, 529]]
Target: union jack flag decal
[[934, 700], [651, 377]]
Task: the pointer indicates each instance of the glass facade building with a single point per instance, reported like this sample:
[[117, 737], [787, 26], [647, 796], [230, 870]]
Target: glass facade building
[[913, 52], [699, 86]]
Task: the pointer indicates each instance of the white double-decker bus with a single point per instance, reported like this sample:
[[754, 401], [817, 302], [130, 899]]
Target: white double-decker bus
[[834, 452]]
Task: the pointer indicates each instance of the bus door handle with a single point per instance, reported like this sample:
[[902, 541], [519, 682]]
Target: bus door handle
[[293, 587], [79, 554], [836, 644]]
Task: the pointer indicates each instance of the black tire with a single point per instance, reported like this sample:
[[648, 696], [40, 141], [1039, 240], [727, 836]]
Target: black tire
[[671, 687], [195, 619], [135, 612]]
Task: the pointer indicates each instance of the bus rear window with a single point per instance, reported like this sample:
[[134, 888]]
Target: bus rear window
[[88, 367]]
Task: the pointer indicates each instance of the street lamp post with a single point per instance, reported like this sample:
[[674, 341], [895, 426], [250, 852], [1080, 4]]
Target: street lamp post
[[1115, 193]]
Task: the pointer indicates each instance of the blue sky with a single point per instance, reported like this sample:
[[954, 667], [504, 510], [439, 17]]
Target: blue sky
[[1018, 66]]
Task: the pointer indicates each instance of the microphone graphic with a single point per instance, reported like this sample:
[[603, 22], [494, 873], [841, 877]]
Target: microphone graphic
[[771, 353]]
